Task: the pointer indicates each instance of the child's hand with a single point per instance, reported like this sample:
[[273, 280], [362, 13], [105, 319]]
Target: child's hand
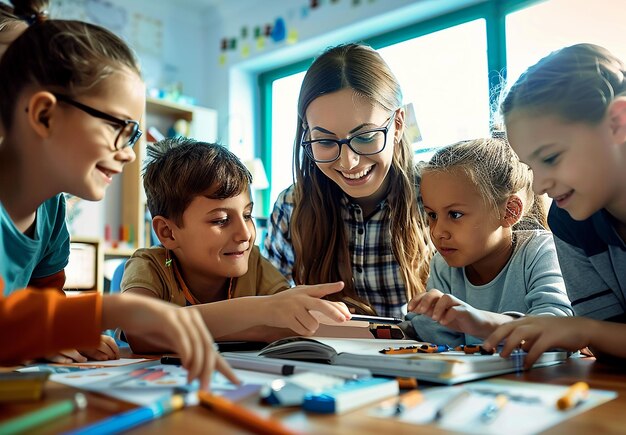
[[181, 331], [453, 313], [106, 350], [537, 334], [299, 308]]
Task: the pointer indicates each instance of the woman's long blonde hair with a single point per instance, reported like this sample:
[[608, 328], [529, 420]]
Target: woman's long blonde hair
[[317, 228]]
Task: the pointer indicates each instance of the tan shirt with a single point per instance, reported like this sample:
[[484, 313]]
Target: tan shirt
[[147, 269]]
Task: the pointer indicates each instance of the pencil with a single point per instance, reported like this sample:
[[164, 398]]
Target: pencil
[[408, 400], [574, 395], [493, 409], [42, 416], [451, 404], [130, 419], [240, 415]]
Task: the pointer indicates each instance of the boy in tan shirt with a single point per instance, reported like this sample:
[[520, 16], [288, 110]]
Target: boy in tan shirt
[[199, 197]]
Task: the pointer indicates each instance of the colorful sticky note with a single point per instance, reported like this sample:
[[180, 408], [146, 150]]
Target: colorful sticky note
[[245, 50], [222, 59], [292, 37], [260, 43], [279, 31]]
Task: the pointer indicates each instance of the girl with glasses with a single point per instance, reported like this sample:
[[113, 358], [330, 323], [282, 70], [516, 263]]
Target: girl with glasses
[[58, 108], [352, 214]]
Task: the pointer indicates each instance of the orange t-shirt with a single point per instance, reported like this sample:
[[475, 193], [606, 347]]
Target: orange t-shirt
[[38, 322]]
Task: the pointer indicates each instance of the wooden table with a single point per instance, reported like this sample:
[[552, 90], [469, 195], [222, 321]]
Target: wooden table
[[606, 418]]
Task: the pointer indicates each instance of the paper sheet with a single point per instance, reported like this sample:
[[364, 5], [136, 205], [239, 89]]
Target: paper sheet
[[148, 382], [531, 407]]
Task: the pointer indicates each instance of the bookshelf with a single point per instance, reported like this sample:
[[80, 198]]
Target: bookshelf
[[160, 114]]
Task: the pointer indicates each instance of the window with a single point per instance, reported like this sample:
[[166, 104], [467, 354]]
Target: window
[[284, 117], [534, 32], [445, 75]]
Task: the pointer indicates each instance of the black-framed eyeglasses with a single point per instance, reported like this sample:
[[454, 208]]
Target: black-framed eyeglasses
[[365, 143], [129, 132]]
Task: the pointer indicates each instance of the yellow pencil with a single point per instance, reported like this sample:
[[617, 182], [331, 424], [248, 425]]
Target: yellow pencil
[[237, 414]]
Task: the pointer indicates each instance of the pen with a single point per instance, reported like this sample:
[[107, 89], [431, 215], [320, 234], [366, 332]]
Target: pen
[[376, 319], [493, 409], [451, 404], [130, 419], [45, 415], [238, 414], [574, 395]]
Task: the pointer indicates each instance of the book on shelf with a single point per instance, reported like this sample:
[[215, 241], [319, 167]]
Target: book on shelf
[[445, 368]]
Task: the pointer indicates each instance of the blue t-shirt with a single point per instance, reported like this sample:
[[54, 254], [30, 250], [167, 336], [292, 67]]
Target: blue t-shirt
[[46, 253]]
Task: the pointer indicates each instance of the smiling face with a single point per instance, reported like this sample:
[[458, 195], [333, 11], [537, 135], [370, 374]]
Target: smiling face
[[576, 164], [82, 156], [464, 228], [215, 238], [344, 114]]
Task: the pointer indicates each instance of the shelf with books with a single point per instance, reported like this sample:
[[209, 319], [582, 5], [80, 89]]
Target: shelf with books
[[162, 116]]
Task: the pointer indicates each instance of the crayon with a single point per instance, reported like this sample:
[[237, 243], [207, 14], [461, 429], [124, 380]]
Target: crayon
[[574, 395]]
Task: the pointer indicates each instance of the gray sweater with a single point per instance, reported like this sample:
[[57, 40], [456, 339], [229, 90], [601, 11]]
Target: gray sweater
[[530, 283]]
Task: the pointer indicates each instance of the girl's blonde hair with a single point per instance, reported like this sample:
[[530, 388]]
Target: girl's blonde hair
[[496, 171], [317, 227]]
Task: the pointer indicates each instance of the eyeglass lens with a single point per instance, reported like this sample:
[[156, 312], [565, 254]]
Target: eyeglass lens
[[371, 142], [128, 135]]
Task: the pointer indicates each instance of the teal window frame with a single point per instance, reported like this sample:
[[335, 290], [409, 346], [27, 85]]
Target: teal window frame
[[494, 13]]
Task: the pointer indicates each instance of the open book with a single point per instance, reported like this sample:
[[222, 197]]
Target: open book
[[444, 368]]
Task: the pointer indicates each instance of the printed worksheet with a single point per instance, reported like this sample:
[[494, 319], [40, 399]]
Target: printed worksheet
[[529, 407]]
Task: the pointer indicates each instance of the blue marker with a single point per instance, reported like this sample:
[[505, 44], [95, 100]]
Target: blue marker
[[130, 419]]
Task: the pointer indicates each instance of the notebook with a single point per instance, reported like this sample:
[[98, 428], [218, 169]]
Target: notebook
[[443, 368]]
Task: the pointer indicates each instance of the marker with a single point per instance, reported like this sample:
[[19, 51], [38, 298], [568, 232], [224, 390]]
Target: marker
[[574, 395], [451, 404], [493, 409], [45, 415], [133, 418], [237, 414]]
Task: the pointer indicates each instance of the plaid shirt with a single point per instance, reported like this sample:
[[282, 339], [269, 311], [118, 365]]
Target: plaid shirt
[[375, 271]]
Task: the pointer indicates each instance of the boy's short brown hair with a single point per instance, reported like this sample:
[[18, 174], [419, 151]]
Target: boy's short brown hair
[[179, 169]]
